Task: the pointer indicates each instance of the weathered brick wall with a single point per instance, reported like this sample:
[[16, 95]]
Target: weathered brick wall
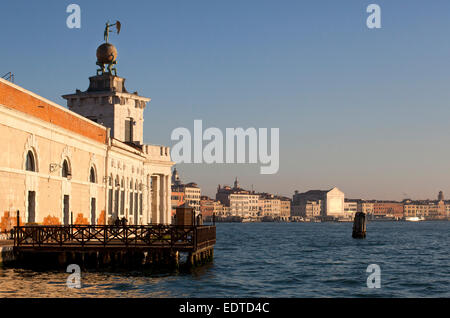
[[14, 98]]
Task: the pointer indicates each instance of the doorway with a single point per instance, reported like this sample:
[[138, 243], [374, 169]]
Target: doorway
[[66, 210], [93, 211], [31, 207]]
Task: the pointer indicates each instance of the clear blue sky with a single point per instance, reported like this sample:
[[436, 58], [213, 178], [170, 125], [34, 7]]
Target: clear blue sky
[[365, 110]]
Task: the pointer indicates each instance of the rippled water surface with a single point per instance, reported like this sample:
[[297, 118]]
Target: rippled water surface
[[279, 260]]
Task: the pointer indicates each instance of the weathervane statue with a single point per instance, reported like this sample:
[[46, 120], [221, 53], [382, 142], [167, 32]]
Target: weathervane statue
[[107, 53], [118, 26]]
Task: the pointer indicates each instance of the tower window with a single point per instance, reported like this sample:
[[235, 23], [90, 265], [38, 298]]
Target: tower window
[[30, 163], [65, 170], [129, 122], [92, 177]]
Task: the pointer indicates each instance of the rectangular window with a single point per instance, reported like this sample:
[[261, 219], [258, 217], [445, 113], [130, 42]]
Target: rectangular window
[[116, 203], [140, 204], [131, 203], [136, 203], [122, 202], [110, 202], [129, 130]]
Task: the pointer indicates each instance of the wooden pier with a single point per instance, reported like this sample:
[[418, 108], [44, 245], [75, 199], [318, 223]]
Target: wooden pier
[[114, 245]]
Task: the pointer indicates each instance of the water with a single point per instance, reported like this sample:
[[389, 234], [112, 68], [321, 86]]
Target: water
[[279, 260]]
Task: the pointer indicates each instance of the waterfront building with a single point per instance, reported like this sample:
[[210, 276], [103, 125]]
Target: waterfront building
[[219, 209], [351, 207], [177, 201], [332, 201], [206, 207], [191, 192], [427, 209], [285, 208], [306, 209], [391, 209], [366, 207], [240, 202], [88, 161], [210, 207], [269, 206]]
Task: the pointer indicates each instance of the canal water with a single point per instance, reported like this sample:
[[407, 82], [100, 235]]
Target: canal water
[[278, 260]]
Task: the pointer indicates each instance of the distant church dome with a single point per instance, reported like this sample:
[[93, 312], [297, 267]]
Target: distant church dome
[[106, 53]]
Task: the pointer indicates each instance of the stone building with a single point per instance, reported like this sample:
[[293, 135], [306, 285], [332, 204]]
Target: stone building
[[428, 209], [391, 209], [351, 207], [238, 201], [191, 192], [269, 205], [331, 201], [207, 208], [366, 207], [306, 210], [89, 161], [285, 208], [177, 201]]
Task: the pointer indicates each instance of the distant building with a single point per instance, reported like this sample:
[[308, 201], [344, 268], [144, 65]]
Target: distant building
[[428, 209], [307, 210], [177, 200], [331, 201], [269, 205], [351, 207], [366, 207], [240, 202], [191, 191], [210, 207], [206, 207], [391, 209], [285, 208]]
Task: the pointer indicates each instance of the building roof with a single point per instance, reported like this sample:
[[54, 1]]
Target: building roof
[[15, 97]]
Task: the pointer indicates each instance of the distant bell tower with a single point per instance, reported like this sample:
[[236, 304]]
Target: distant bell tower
[[176, 177], [107, 101], [441, 196], [236, 184]]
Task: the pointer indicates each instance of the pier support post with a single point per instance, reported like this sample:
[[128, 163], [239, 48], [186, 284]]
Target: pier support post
[[359, 226]]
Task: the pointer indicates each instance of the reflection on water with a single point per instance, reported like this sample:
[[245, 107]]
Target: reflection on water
[[278, 260]]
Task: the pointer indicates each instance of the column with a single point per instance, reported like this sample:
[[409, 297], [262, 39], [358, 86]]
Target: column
[[169, 200], [147, 204], [155, 199], [162, 198]]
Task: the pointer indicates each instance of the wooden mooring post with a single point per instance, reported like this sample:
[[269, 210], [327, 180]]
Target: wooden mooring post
[[359, 226]]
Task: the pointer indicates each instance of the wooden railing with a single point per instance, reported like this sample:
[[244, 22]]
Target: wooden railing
[[205, 236], [145, 236]]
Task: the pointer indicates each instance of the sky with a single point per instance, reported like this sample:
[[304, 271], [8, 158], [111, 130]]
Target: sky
[[366, 110]]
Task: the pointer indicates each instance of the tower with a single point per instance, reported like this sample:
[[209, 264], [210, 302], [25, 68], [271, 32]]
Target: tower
[[175, 177], [236, 183], [107, 101], [441, 196]]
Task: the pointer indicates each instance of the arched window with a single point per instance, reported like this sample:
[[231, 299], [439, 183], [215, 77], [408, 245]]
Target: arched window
[[30, 163], [65, 170], [92, 177]]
